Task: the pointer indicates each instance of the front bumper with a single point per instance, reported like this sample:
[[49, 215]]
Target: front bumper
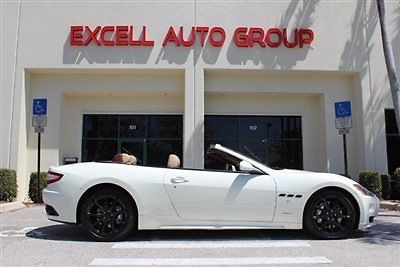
[[368, 212]]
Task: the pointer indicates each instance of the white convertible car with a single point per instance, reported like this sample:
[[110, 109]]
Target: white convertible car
[[111, 199]]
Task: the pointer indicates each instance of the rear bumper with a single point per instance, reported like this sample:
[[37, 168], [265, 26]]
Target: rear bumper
[[371, 210], [60, 206]]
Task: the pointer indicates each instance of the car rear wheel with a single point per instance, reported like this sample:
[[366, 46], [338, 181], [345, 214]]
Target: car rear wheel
[[330, 214], [108, 215]]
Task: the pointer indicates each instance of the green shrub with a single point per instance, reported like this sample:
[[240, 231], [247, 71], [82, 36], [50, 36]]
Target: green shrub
[[372, 181], [396, 177], [8, 185], [33, 193], [386, 186], [396, 184]]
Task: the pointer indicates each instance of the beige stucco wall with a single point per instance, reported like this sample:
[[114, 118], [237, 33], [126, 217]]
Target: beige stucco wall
[[8, 46], [345, 62], [310, 95], [71, 94], [136, 103]]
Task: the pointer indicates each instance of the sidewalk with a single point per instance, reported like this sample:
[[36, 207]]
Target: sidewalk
[[390, 204], [11, 206]]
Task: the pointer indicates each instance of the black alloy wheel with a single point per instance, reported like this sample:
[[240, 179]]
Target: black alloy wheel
[[108, 215], [330, 214]]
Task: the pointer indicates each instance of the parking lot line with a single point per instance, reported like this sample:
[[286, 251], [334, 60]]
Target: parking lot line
[[208, 261], [209, 244]]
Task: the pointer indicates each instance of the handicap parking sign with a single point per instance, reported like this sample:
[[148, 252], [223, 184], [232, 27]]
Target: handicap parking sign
[[343, 109], [39, 106]]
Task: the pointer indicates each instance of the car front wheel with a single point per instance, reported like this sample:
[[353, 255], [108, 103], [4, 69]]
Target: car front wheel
[[330, 214], [107, 215]]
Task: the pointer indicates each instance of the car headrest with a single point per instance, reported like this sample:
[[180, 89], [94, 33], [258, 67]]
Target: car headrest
[[173, 161], [124, 158]]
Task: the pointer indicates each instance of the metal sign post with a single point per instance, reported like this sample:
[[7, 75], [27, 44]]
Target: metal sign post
[[38, 168], [39, 121], [346, 169], [343, 123]]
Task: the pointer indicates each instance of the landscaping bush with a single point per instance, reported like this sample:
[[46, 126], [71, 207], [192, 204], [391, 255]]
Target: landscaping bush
[[8, 185], [33, 193], [372, 181], [396, 177], [396, 184], [386, 186]]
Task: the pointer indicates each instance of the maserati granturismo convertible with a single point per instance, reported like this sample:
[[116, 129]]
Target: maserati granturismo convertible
[[112, 199]]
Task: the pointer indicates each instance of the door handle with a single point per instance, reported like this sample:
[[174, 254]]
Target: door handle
[[179, 180]]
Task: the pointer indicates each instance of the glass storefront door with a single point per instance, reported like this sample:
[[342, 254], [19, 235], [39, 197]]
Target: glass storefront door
[[274, 140], [136, 148], [392, 141], [150, 138]]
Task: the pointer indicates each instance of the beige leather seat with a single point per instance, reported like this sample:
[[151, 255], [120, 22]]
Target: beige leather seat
[[173, 161], [125, 159]]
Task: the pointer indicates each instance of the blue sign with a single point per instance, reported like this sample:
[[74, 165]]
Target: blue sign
[[343, 109], [39, 106]]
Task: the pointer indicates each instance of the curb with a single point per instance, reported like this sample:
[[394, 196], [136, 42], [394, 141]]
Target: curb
[[390, 206], [6, 207]]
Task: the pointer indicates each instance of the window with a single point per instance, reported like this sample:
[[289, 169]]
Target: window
[[94, 126], [150, 138], [392, 141], [222, 161], [274, 140], [99, 149]]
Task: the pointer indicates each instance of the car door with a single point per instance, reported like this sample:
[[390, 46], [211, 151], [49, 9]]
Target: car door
[[221, 195]]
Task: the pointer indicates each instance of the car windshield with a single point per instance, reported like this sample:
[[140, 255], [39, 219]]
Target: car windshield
[[230, 159]]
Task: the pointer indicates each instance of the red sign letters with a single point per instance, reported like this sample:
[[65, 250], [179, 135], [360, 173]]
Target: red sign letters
[[107, 36], [216, 36]]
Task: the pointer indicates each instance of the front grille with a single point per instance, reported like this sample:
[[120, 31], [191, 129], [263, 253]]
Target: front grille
[[51, 211]]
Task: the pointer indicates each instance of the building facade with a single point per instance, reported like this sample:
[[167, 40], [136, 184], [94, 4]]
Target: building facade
[[157, 77]]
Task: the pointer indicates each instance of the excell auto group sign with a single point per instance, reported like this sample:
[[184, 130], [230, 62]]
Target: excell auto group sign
[[242, 36]]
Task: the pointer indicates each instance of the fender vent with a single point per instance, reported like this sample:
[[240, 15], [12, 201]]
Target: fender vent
[[290, 195]]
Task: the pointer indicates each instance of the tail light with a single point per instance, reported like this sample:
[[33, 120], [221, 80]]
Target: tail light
[[53, 177]]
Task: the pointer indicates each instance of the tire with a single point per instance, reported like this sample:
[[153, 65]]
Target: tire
[[108, 215], [330, 214]]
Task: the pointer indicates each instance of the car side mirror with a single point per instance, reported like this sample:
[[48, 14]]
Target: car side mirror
[[248, 167]]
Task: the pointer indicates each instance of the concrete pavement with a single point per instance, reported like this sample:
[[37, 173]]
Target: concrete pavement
[[29, 239]]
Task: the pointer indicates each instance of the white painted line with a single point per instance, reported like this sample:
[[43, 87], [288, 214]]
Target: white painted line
[[17, 233], [209, 261], [210, 244]]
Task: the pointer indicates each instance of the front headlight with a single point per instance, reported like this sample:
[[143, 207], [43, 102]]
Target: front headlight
[[363, 190]]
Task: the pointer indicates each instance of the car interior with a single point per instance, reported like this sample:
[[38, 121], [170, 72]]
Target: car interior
[[220, 160]]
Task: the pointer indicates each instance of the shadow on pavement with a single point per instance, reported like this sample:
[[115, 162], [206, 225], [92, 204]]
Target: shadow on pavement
[[384, 233], [218, 235], [65, 232], [62, 232]]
